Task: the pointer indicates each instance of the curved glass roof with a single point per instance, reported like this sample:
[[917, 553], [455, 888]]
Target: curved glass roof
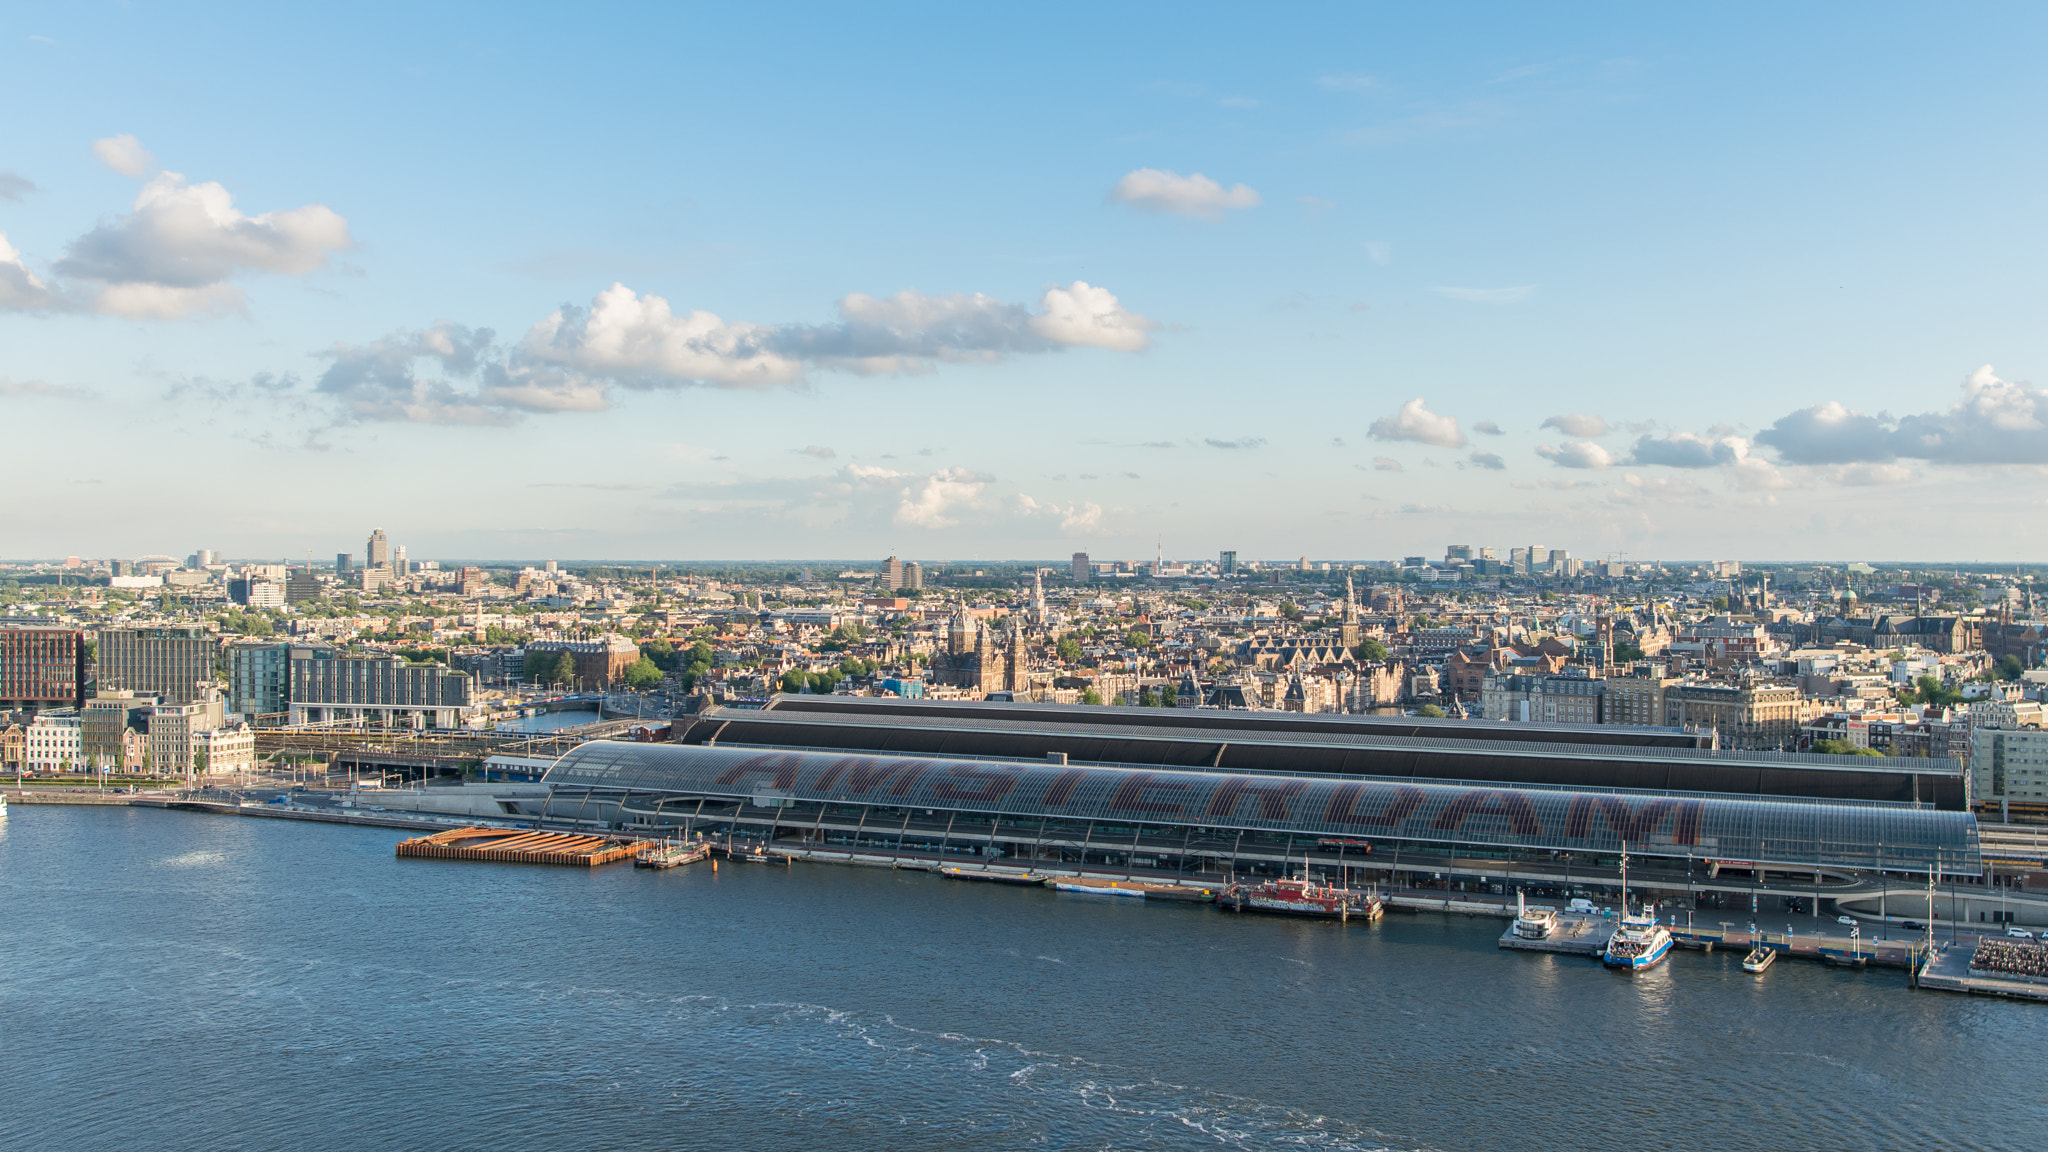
[[1793, 833]]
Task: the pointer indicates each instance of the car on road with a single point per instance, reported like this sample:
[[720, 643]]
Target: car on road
[[1845, 920], [2018, 933], [1913, 926]]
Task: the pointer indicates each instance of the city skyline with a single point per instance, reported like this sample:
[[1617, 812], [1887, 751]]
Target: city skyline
[[1627, 282]]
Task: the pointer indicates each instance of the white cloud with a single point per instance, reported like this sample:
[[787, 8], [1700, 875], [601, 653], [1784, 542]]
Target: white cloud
[[1685, 450], [13, 187], [124, 154], [1488, 428], [1577, 454], [1159, 190], [1581, 424], [1385, 464], [1996, 421], [20, 288], [1083, 315], [818, 450], [639, 339], [1488, 295], [939, 498], [174, 253], [1240, 442], [1489, 460], [1416, 422], [1080, 518]]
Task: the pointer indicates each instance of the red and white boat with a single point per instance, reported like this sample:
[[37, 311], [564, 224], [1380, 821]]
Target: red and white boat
[[1301, 896]]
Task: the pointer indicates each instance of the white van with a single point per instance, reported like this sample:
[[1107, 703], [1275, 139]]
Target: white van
[[1582, 908]]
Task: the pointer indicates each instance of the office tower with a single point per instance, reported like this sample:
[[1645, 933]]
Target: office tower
[[175, 662], [342, 563], [398, 561], [42, 667], [1226, 563], [1458, 554], [1081, 569], [892, 573], [377, 553], [913, 574]]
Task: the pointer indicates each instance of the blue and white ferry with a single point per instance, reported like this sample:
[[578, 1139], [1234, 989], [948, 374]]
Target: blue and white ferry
[[1640, 942]]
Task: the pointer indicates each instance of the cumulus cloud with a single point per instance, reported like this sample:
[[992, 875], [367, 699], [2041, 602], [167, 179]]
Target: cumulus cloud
[[1385, 464], [937, 500], [1159, 190], [1576, 454], [1581, 424], [639, 340], [1416, 422], [477, 382], [1829, 434], [1240, 442], [1488, 428], [20, 289], [1489, 460], [1488, 295], [1685, 450], [13, 187], [1996, 421], [1080, 518], [173, 254], [124, 154]]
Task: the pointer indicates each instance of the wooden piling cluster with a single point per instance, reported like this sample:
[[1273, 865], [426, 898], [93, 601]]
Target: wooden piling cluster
[[520, 846]]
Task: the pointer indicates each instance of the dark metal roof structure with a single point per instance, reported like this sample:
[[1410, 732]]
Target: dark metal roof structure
[[1816, 834], [1251, 742], [1323, 723]]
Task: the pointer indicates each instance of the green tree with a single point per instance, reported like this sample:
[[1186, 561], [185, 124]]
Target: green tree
[[1169, 696], [642, 673], [1090, 696], [1720, 603], [1828, 747], [794, 680], [1290, 611], [661, 652], [1431, 711], [564, 670], [1148, 699], [1137, 638], [1371, 650], [1069, 650], [2009, 668]]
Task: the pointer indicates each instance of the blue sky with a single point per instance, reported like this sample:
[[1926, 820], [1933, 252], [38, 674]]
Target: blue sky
[[811, 281]]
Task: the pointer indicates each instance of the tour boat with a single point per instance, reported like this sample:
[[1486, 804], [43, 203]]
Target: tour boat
[[1096, 888], [1640, 942], [1533, 923], [1760, 957], [1301, 896]]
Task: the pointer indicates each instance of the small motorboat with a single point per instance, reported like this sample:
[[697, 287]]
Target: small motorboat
[[1760, 957]]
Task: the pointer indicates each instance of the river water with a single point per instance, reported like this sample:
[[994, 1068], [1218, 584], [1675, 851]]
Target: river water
[[180, 981]]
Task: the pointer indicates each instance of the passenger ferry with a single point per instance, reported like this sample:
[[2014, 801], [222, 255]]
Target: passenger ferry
[[1301, 896], [1640, 942]]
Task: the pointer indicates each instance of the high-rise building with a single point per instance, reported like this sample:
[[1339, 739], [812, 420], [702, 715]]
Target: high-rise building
[[398, 561], [1458, 554], [913, 574], [377, 554], [301, 586], [175, 662], [342, 563], [1226, 563], [1081, 568], [892, 573], [42, 667]]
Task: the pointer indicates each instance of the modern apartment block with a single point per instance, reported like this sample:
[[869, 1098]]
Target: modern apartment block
[[175, 662], [385, 690], [42, 668]]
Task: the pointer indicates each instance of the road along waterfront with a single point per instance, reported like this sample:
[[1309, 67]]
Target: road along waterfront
[[297, 985]]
